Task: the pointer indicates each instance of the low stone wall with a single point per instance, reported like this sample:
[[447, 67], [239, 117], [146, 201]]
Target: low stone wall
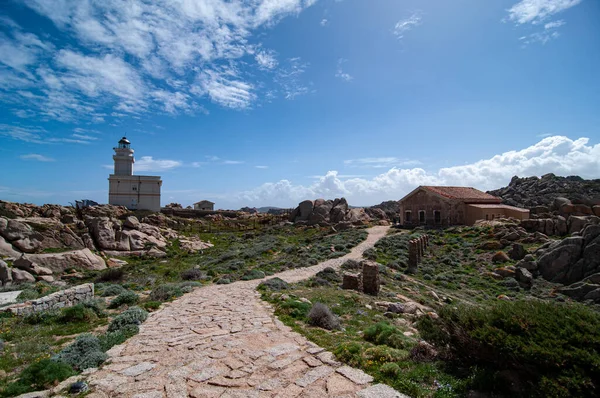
[[63, 298]]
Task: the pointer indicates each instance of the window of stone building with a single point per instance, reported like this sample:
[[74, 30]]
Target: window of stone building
[[487, 217], [134, 188], [492, 216], [407, 218], [437, 217], [421, 216]]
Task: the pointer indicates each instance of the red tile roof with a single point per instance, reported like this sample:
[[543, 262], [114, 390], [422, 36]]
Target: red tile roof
[[465, 194]]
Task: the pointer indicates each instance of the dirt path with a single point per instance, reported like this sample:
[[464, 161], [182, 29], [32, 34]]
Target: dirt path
[[223, 341]]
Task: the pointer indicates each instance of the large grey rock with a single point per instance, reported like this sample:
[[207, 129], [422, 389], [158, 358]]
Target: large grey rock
[[517, 252], [561, 226], [20, 276], [555, 264], [107, 234], [27, 265], [339, 211], [13, 230], [82, 259], [559, 202], [590, 260], [524, 277], [131, 222], [5, 274], [305, 209], [320, 213], [7, 250]]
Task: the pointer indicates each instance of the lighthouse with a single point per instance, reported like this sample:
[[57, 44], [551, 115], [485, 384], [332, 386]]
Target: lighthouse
[[126, 189]]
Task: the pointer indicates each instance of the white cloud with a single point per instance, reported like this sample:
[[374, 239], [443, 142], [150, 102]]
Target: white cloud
[[28, 134], [556, 154], [339, 73], [233, 162], [225, 88], [140, 56], [324, 22], [148, 163], [84, 137], [288, 78], [554, 24], [266, 59], [536, 11], [262, 167], [380, 162], [544, 36], [406, 24], [38, 157]]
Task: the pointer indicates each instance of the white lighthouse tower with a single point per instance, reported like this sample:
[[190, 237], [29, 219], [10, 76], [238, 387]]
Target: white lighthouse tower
[[132, 191]]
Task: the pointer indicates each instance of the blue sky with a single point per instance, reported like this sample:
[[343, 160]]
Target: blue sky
[[269, 102]]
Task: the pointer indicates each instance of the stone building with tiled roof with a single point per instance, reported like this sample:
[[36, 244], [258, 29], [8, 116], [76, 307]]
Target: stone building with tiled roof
[[443, 206]]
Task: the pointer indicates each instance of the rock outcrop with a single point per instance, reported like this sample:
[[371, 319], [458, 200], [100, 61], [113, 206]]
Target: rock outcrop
[[388, 210], [539, 194], [56, 238], [572, 259], [328, 212]]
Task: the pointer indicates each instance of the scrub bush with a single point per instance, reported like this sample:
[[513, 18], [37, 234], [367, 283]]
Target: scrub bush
[[127, 297], [131, 316], [320, 315]]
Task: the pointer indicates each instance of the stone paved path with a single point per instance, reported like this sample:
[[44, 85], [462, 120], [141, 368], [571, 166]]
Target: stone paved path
[[223, 341]]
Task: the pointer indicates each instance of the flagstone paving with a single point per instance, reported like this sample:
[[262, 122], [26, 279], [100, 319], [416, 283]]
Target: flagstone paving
[[224, 341]]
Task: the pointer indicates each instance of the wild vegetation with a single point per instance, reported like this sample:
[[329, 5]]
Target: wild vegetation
[[45, 346], [465, 331]]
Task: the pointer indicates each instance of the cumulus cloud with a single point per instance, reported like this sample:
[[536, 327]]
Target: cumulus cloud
[[557, 154], [148, 163], [36, 156]]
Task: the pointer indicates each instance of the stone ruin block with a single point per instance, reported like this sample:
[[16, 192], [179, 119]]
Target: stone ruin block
[[351, 281], [370, 277]]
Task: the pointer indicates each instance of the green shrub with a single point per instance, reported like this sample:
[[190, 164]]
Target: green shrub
[[390, 369], [112, 290], [294, 308], [151, 305], [131, 316], [193, 274], [223, 281], [384, 333], [351, 264], [77, 313], [42, 317], [110, 339], [96, 305], [111, 275], [329, 275], [320, 315], [39, 376], [27, 294], [85, 352], [384, 353], [274, 284], [552, 349], [165, 292], [253, 274], [350, 353], [127, 297]]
